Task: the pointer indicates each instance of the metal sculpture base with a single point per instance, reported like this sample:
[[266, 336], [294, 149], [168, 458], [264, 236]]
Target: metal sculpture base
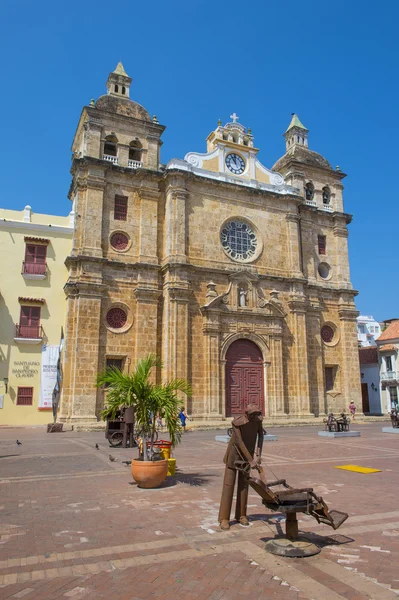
[[338, 434], [226, 438], [300, 548], [292, 545]]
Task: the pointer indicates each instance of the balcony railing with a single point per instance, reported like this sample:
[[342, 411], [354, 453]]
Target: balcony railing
[[28, 332], [310, 203], [109, 158], [327, 207], [389, 375], [134, 164], [37, 270]]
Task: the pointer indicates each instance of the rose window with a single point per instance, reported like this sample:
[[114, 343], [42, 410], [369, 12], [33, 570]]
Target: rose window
[[239, 240], [116, 318], [119, 241], [327, 333]]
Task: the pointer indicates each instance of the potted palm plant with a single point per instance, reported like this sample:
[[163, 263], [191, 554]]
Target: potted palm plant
[[149, 399]]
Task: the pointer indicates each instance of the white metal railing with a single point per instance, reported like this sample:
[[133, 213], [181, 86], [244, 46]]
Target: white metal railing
[[109, 158], [311, 203], [134, 164], [327, 207], [389, 375]]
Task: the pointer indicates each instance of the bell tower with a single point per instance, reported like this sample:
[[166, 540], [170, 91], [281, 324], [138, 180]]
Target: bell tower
[[296, 134], [118, 82]]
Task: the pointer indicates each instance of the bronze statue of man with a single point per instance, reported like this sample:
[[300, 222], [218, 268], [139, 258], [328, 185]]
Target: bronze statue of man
[[247, 433]]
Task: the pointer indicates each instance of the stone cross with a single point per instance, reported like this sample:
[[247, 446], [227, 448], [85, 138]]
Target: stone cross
[[234, 117]]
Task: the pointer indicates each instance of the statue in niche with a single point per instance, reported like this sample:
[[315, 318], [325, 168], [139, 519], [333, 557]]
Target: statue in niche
[[242, 297]]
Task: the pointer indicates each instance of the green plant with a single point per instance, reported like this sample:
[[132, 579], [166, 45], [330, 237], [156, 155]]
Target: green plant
[[148, 399]]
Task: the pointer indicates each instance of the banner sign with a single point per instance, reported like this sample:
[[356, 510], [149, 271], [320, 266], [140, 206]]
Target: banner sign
[[48, 378]]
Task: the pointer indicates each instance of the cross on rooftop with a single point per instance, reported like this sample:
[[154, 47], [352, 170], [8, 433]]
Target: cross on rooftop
[[234, 117]]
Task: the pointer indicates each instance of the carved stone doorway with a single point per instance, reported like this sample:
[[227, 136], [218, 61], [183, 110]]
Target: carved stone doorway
[[244, 377]]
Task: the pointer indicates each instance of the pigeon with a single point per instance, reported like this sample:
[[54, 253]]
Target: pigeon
[[127, 462], [19, 443], [97, 447], [111, 458]]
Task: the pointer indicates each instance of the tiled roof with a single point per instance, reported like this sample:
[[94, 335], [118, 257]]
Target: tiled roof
[[391, 332], [387, 347], [368, 355], [33, 300], [29, 238]]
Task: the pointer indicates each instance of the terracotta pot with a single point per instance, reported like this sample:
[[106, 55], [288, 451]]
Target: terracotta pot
[[148, 474]]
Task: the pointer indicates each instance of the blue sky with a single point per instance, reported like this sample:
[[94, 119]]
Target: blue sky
[[334, 63]]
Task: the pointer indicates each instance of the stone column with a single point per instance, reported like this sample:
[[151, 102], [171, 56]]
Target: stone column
[[294, 249], [211, 328], [275, 392], [350, 368], [299, 403], [175, 222], [175, 335], [148, 244], [315, 354], [342, 275], [146, 321], [81, 355], [89, 199]]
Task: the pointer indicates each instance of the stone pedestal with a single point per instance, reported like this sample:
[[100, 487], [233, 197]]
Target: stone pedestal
[[339, 434], [390, 430]]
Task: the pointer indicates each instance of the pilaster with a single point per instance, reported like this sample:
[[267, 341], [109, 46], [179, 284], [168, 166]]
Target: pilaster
[[299, 402], [148, 245], [275, 391], [175, 222], [294, 249], [315, 359]]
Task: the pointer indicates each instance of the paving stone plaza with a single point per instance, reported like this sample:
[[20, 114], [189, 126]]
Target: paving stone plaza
[[75, 525]]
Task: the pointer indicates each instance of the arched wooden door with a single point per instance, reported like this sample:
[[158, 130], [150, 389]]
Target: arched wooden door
[[244, 377]]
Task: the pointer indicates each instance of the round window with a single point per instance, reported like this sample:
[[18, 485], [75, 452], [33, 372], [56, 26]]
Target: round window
[[239, 240], [116, 318], [327, 333], [324, 270], [119, 241]]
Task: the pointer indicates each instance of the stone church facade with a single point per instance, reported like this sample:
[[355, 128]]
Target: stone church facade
[[236, 275]]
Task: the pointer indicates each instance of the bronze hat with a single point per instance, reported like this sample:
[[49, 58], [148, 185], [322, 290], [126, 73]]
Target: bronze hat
[[252, 408]]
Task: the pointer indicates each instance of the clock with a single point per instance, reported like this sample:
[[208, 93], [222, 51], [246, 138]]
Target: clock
[[235, 164], [239, 240]]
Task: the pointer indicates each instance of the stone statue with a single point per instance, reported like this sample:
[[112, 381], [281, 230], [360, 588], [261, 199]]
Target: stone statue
[[247, 433], [242, 297]]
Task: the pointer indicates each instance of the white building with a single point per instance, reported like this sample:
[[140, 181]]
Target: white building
[[370, 381], [368, 329], [388, 346]]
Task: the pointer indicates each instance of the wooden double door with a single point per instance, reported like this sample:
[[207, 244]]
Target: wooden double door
[[244, 377]]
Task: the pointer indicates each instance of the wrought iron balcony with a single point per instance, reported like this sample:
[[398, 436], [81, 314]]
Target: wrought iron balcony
[[34, 270], [389, 376], [134, 164], [30, 334], [109, 158]]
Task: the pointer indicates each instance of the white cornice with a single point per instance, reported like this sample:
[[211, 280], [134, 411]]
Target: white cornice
[[7, 223], [183, 165]]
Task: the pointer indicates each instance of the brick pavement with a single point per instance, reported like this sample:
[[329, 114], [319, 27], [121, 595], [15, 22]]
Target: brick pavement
[[74, 525]]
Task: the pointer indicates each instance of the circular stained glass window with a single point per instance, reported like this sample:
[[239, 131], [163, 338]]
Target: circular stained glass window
[[119, 241], [239, 240], [327, 333], [116, 318]]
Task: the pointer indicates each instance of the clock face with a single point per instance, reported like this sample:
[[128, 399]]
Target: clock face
[[235, 164], [239, 240]]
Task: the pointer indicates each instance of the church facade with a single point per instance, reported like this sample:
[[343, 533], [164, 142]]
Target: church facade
[[236, 275]]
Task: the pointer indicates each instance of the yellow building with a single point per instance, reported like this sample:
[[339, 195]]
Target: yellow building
[[32, 311]]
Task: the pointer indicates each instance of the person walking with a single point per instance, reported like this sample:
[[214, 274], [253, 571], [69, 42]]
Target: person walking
[[352, 410], [247, 433], [183, 417]]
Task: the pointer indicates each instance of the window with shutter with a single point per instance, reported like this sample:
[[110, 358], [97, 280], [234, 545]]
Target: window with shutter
[[35, 259], [25, 396], [321, 239], [29, 322], [120, 208]]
